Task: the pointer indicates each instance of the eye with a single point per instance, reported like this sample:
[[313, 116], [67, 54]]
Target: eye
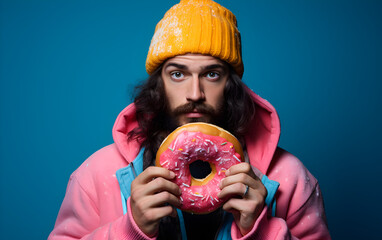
[[176, 75], [213, 75]]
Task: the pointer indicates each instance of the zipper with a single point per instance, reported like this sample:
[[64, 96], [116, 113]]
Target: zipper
[[133, 169]]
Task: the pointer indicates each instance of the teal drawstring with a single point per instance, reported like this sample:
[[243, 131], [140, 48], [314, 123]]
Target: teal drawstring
[[182, 225]]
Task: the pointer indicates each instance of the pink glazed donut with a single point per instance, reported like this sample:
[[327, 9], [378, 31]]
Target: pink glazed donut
[[205, 142]]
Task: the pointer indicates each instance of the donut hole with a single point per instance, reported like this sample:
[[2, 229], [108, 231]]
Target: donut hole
[[200, 169]]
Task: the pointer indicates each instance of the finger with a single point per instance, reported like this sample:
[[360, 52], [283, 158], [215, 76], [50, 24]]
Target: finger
[[256, 189], [244, 212], [236, 189], [234, 204], [252, 205], [160, 184], [238, 178], [162, 199], [154, 172], [148, 203], [149, 174], [148, 221], [155, 214], [240, 168]]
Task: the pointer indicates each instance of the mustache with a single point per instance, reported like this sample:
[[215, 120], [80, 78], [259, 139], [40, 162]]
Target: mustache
[[191, 106]]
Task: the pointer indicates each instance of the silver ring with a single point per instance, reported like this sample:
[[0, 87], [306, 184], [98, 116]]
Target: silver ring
[[246, 190]]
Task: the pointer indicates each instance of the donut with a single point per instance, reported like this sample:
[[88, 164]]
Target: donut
[[205, 142]]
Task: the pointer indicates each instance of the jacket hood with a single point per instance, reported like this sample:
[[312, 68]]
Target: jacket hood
[[261, 140], [264, 134]]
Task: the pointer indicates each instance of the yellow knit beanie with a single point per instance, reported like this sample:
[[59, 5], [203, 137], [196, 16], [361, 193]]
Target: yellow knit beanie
[[196, 26]]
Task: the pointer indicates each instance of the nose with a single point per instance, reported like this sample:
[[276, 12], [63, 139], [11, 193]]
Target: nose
[[196, 91]]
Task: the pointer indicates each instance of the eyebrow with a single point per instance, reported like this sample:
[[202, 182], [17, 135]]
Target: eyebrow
[[180, 66], [184, 67], [213, 66]]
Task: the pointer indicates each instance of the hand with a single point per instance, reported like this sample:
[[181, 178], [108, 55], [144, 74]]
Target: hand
[[152, 194], [245, 206]]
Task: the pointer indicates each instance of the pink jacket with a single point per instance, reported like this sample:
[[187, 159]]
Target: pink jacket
[[92, 207]]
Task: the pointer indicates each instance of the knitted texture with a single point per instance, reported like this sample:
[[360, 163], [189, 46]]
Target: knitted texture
[[196, 26]]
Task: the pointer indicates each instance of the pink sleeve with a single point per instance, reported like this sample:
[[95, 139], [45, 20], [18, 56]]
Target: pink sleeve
[[78, 219], [308, 222]]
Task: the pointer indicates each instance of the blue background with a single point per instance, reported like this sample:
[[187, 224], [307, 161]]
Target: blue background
[[67, 68]]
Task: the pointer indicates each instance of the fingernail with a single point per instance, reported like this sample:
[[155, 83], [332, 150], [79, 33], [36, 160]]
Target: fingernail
[[172, 174]]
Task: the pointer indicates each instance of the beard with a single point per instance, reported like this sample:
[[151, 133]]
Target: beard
[[176, 117]]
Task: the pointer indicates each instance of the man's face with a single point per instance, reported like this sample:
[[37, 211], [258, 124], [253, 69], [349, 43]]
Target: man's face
[[194, 86]]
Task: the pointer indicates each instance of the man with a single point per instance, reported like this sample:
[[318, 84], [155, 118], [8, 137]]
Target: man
[[195, 68]]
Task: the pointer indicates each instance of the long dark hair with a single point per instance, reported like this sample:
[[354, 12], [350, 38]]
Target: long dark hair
[[154, 123]]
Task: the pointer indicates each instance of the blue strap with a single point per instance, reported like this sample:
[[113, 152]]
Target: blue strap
[[182, 225], [225, 230], [271, 187]]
